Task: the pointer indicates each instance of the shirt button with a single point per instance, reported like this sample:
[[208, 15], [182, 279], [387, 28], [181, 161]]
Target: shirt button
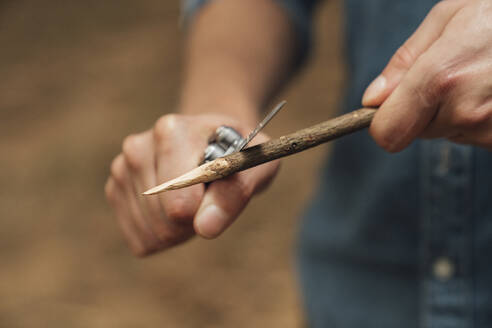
[[443, 268]]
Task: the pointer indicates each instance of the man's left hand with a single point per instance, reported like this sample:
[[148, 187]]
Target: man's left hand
[[439, 83]]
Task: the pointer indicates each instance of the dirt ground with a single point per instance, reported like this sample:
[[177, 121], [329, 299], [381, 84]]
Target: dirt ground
[[78, 76]]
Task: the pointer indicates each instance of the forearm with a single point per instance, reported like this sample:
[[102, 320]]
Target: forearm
[[237, 55]]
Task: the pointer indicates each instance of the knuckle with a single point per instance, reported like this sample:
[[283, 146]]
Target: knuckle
[[169, 233], [471, 117], [164, 232], [165, 126], [118, 169], [403, 57], [132, 151], [387, 145], [443, 82], [437, 86], [179, 211], [383, 138]]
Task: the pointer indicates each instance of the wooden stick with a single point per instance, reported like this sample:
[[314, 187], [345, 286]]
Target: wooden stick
[[271, 150]]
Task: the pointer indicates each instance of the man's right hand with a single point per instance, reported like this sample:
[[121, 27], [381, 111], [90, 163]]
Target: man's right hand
[[172, 147]]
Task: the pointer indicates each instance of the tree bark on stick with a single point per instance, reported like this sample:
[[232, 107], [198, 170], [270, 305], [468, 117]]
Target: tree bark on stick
[[271, 150]]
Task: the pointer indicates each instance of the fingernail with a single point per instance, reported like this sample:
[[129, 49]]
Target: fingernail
[[211, 221], [374, 91]]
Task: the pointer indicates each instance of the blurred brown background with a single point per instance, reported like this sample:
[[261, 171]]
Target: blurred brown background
[[76, 77]]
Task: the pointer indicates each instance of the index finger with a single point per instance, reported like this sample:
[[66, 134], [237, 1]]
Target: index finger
[[176, 154]]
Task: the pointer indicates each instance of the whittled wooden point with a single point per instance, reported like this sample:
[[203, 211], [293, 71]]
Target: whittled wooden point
[[271, 150]]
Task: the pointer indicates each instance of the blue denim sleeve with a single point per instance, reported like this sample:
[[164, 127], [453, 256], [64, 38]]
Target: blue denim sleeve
[[299, 11]]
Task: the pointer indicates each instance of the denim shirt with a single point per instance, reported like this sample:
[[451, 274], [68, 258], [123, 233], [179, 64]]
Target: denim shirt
[[393, 240]]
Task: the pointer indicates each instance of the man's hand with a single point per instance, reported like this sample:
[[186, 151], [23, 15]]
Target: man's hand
[[232, 68], [174, 146], [439, 83]]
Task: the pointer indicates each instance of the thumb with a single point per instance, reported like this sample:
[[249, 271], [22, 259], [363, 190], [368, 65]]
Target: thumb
[[225, 199], [426, 34]]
